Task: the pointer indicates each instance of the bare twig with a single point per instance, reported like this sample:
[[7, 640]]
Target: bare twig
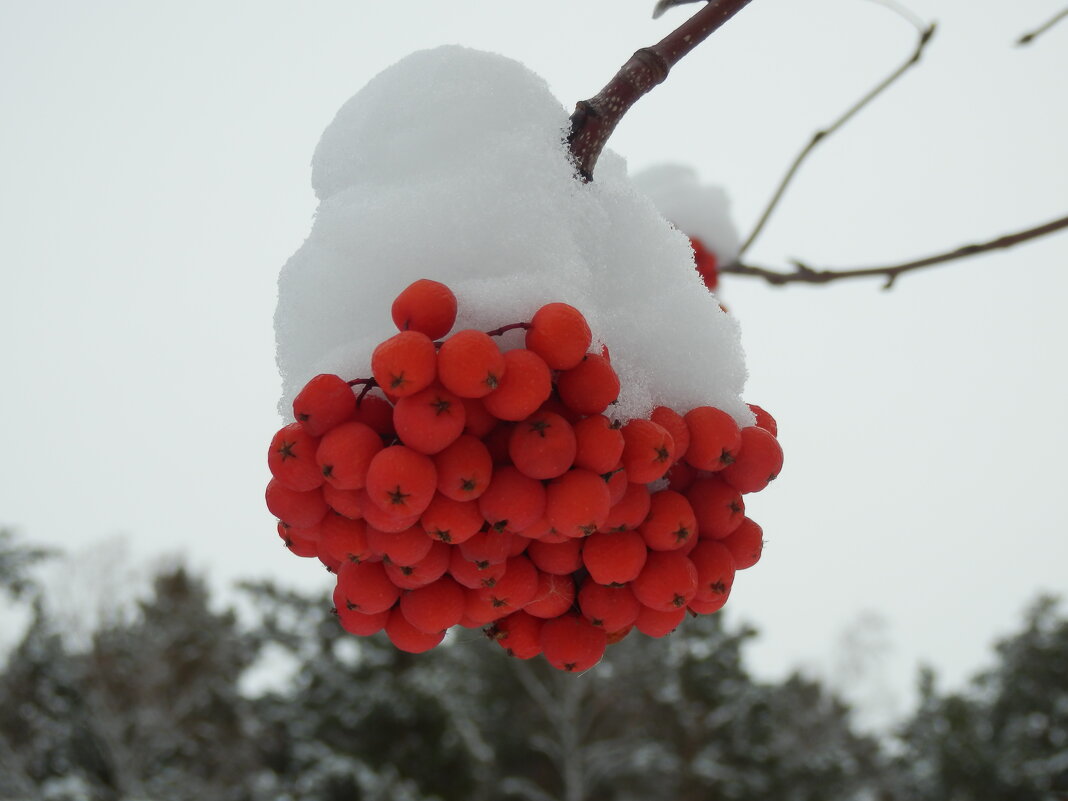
[[925, 35], [594, 120], [804, 274], [1027, 38], [664, 5]]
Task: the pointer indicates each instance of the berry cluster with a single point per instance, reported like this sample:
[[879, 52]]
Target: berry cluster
[[493, 489]]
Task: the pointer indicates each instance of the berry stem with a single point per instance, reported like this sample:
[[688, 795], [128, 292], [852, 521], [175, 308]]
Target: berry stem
[[368, 385], [496, 332], [594, 120]]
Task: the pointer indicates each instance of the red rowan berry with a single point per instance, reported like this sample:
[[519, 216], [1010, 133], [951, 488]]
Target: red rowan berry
[[376, 412], [383, 519], [344, 502], [358, 623], [406, 637], [480, 610], [301, 541], [758, 462], [332, 565], [540, 531], [342, 539], [706, 263], [556, 406], [451, 521], [715, 571], [558, 558], [325, 401], [517, 545], [497, 443], [671, 522], [648, 451], [610, 608], [542, 446], [464, 469], [365, 587], [554, 596], [345, 453], [745, 544], [512, 500], [519, 634], [516, 588], [571, 643], [614, 557], [488, 547], [675, 425], [618, 636], [667, 581], [474, 575], [577, 503], [764, 420], [681, 476], [630, 511], [426, 306], [599, 443], [434, 607], [559, 334], [707, 606], [617, 483], [718, 506], [299, 509], [477, 421], [714, 438], [291, 458], [404, 364], [654, 623], [429, 421], [430, 568], [589, 387], [526, 385], [401, 480], [470, 364], [405, 547]]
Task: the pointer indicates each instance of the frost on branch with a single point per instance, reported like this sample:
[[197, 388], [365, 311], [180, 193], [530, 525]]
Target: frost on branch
[[451, 165]]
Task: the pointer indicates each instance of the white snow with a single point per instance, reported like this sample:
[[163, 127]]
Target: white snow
[[450, 165], [698, 209]]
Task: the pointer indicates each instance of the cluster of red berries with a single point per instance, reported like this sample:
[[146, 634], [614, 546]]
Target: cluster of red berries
[[490, 488]]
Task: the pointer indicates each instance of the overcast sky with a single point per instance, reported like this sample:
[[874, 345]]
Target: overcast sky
[[154, 177]]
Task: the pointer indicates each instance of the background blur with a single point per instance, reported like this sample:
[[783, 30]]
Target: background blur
[[154, 162]]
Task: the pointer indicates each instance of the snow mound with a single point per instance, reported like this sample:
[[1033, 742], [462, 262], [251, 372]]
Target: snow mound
[[451, 165], [701, 210]]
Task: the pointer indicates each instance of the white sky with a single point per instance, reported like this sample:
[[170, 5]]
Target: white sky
[[154, 177]]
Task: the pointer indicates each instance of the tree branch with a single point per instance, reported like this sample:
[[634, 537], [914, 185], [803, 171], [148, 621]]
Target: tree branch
[[925, 35], [805, 274], [1027, 38], [594, 120]]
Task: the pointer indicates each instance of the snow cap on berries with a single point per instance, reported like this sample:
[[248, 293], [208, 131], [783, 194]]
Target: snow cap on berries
[[698, 209], [451, 165]]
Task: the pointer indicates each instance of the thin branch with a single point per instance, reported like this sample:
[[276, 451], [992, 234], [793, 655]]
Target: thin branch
[[805, 274], [1027, 38], [594, 120], [925, 35], [664, 5]]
